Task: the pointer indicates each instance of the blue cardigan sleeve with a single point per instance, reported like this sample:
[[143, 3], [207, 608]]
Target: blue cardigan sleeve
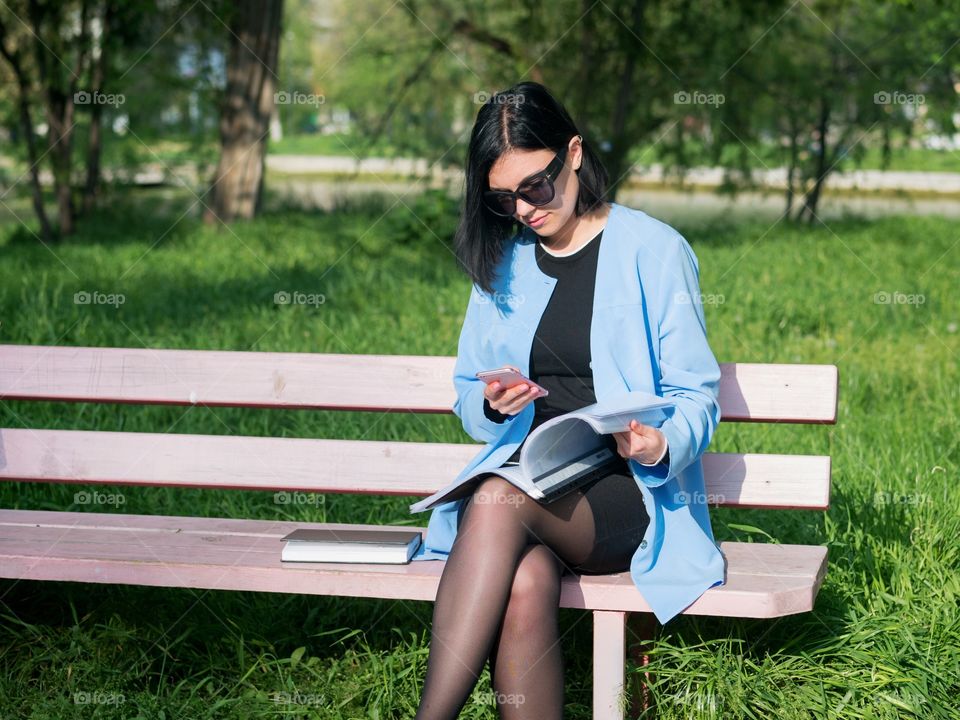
[[471, 359], [689, 373]]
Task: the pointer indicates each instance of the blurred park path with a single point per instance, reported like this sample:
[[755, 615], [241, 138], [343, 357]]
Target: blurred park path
[[773, 178]]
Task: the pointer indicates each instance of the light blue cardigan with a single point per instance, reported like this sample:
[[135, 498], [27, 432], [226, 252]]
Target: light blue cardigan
[[647, 333]]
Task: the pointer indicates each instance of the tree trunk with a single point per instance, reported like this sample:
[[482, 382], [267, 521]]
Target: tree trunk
[[813, 197], [26, 127], [247, 106], [60, 137], [620, 141], [91, 188], [792, 167], [60, 90], [586, 52]]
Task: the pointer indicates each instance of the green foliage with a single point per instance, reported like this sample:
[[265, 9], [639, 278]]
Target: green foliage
[[883, 641], [432, 216], [824, 86]]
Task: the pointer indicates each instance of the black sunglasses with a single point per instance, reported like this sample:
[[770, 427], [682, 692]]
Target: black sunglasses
[[537, 189]]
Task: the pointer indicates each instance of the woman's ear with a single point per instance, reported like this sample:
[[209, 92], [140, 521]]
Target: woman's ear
[[577, 148]]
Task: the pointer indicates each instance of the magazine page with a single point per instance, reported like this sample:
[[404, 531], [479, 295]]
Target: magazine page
[[466, 486], [453, 491], [561, 439], [555, 443], [618, 422], [614, 414]]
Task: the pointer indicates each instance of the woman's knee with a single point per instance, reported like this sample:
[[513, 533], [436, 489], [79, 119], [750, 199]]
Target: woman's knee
[[494, 491], [536, 586]]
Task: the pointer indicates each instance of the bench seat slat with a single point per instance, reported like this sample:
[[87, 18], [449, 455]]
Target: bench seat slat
[[763, 580], [385, 383], [357, 466]]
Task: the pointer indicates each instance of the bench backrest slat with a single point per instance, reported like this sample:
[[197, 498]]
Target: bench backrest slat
[[748, 391], [344, 466]]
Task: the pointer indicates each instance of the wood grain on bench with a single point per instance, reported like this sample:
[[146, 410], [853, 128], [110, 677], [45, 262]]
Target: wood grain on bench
[[764, 580], [352, 466], [386, 383]]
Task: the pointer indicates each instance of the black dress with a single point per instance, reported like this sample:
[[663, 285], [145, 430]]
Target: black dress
[[560, 362]]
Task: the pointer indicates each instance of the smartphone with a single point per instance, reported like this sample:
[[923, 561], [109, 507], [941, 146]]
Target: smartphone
[[509, 377]]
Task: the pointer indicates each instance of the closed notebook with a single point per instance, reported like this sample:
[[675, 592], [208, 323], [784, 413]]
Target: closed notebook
[[350, 545]]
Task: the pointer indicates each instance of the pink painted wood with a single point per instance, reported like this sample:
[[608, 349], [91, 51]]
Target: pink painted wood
[[764, 580], [609, 666], [397, 383], [353, 466]]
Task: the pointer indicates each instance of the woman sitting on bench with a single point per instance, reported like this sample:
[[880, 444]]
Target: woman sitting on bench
[[588, 299]]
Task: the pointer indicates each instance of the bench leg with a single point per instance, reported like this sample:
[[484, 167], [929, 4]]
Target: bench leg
[[641, 632], [609, 663]]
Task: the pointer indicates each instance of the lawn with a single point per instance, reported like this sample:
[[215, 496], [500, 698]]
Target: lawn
[[865, 155], [877, 298]]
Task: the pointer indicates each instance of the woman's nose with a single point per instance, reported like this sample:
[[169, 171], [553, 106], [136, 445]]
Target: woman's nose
[[524, 209]]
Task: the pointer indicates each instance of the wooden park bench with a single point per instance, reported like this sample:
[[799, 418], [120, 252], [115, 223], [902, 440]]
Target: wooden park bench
[[764, 580]]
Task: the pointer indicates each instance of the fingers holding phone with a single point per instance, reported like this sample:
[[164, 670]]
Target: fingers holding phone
[[508, 391], [512, 400]]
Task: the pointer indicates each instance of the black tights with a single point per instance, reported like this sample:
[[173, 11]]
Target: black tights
[[499, 594]]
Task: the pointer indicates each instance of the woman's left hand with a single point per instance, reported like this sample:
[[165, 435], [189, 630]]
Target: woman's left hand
[[642, 443]]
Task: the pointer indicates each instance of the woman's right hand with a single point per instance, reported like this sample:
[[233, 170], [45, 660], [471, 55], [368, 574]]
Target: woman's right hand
[[510, 401]]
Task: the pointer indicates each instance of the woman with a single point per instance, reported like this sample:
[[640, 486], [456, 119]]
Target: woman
[[588, 299]]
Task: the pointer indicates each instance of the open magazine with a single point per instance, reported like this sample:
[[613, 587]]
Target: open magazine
[[565, 452]]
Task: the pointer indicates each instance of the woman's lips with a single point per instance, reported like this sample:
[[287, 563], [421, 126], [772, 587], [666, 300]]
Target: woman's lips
[[538, 222]]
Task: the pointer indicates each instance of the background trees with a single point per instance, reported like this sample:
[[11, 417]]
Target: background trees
[[750, 87]]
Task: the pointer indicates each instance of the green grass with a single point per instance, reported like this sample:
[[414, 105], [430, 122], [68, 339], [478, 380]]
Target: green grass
[[902, 157], [335, 144], [883, 641], [131, 148], [863, 156]]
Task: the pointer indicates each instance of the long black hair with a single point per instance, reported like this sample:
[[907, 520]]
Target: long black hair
[[523, 117]]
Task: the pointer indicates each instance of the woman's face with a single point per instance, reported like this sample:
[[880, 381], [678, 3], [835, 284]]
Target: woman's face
[[515, 166]]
